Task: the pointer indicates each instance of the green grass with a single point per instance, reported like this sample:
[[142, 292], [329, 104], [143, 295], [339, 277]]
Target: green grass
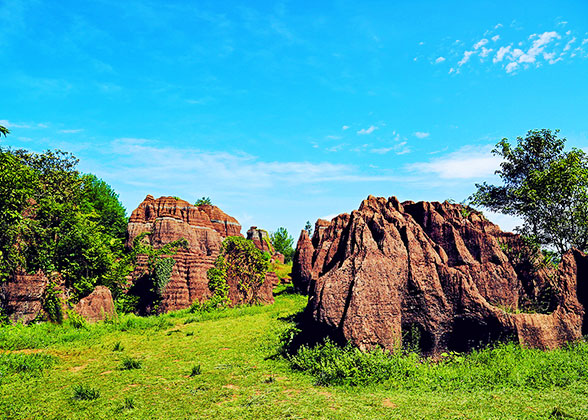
[[282, 270], [242, 373]]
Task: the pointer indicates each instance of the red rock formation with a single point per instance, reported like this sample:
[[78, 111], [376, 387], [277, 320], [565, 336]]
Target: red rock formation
[[261, 239], [97, 306], [437, 271], [21, 297], [168, 219], [222, 222]]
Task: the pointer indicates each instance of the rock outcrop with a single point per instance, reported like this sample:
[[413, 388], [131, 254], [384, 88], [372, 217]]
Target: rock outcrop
[[167, 219], [21, 297], [261, 239], [436, 275], [222, 222], [97, 306]]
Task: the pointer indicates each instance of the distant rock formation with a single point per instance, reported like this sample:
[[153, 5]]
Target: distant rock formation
[[436, 275], [261, 239], [168, 219]]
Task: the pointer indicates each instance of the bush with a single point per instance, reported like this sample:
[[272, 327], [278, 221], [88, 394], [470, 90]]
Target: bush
[[502, 366]]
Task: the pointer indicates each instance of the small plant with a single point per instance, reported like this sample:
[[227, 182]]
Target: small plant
[[270, 380], [196, 370], [128, 404], [129, 363], [204, 201], [76, 320], [118, 346], [85, 393], [190, 334]]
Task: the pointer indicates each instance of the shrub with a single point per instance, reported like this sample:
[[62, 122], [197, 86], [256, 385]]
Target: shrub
[[85, 393], [118, 346]]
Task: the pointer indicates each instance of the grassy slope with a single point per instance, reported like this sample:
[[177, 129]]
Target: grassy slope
[[240, 379]]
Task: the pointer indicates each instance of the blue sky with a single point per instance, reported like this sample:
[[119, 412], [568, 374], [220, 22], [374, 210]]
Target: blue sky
[[283, 112]]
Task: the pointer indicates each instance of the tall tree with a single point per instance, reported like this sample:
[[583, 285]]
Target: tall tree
[[282, 243], [544, 185]]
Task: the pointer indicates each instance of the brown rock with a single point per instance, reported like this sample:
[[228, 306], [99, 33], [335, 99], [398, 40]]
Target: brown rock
[[438, 273], [97, 306], [261, 239], [222, 222], [168, 219], [21, 297]]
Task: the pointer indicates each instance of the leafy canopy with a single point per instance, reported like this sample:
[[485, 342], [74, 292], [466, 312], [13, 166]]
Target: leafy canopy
[[203, 201], [544, 185], [54, 219], [282, 243]]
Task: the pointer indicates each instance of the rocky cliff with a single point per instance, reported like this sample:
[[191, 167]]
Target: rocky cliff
[[167, 219], [438, 275]]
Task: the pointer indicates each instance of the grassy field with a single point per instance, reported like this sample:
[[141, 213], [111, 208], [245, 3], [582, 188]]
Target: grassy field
[[228, 365]]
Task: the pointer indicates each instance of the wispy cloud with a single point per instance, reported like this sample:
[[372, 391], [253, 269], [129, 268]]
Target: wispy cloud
[[529, 52], [369, 130], [73, 131], [345, 127], [421, 134], [469, 162], [440, 60]]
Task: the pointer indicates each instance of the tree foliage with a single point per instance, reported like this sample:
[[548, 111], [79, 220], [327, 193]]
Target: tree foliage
[[282, 243], [4, 131], [240, 265], [308, 228], [544, 185], [203, 201], [54, 219]]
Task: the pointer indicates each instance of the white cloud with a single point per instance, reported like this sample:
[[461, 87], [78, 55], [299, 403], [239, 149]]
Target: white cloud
[[345, 127], [421, 134], [399, 148], [469, 162], [466, 58], [498, 26], [440, 60], [512, 66], [77, 130], [480, 43], [495, 38], [485, 52], [331, 137], [538, 46], [569, 44], [500, 54], [369, 130], [9, 124]]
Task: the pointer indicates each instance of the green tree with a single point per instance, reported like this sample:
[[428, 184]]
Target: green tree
[[282, 243], [203, 201], [54, 219], [308, 228], [4, 130], [544, 185]]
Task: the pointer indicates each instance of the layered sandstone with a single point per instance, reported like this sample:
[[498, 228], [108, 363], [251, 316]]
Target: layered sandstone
[[437, 273], [167, 219], [21, 296]]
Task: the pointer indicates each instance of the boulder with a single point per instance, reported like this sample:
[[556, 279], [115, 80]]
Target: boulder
[[21, 297], [436, 275], [97, 306]]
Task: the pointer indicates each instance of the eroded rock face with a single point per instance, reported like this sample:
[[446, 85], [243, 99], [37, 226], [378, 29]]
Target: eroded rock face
[[222, 222], [261, 239], [97, 306], [437, 274], [168, 219], [21, 297]]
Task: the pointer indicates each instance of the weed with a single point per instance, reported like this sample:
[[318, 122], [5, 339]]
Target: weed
[[118, 346], [85, 393], [128, 363], [128, 404], [190, 334], [196, 370]]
